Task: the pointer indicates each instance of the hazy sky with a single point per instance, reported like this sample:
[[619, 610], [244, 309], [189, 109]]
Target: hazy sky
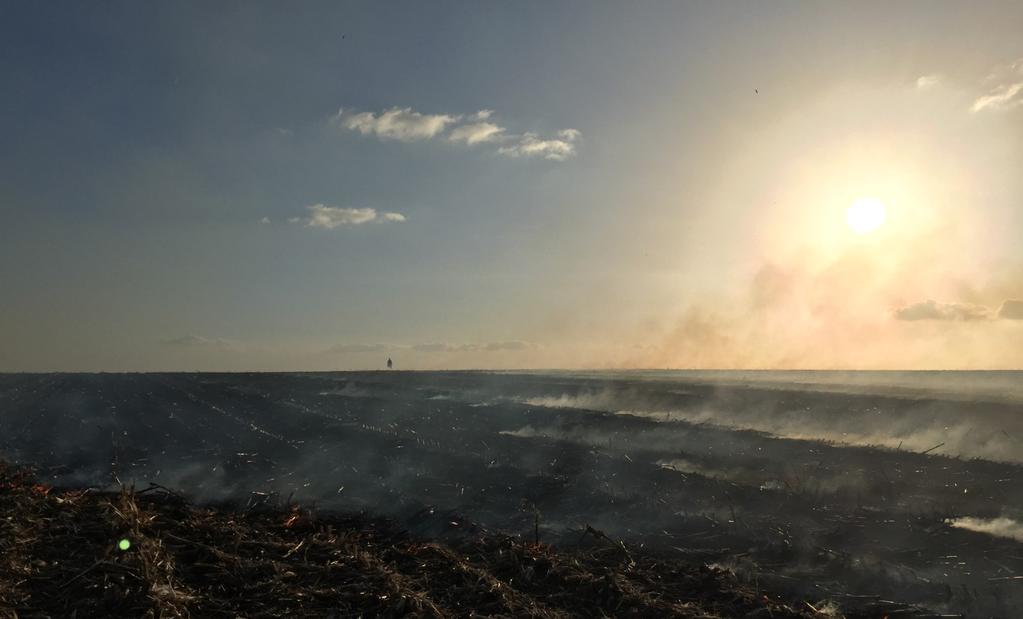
[[530, 184]]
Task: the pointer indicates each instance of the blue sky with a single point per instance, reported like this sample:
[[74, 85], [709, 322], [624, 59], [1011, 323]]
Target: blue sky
[[161, 167]]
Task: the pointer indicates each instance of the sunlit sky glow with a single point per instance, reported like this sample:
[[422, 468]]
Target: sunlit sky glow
[[726, 185], [866, 215]]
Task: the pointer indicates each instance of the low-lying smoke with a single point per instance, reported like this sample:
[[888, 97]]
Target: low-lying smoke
[[957, 426], [999, 527]]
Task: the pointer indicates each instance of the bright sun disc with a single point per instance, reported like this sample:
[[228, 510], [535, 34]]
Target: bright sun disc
[[865, 214]]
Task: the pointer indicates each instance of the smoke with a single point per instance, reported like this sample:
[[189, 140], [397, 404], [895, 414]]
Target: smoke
[[991, 430], [932, 310], [600, 401], [349, 390], [999, 527], [585, 449], [528, 432], [860, 309], [1011, 310]]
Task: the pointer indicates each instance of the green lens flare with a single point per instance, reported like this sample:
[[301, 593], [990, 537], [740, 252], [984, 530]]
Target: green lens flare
[[124, 544]]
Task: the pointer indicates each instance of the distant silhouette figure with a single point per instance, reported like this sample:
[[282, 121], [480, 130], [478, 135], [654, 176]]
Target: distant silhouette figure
[[390, 364]]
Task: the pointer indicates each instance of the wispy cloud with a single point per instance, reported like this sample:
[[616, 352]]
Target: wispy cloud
[[406, 124], [484, 347], [932, 310], [1002, 97], [927, 81], [510, 345], [402, 124], [330, 217], [557, 148], [196, 341], [435, 347], [478, 129], [477, 132], [362, 348], [1006, 91]]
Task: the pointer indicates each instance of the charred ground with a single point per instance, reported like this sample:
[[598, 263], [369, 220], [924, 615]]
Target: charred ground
[[865, 528], [61, 557]]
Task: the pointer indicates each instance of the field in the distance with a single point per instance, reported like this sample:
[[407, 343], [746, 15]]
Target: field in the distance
[[822, 491]]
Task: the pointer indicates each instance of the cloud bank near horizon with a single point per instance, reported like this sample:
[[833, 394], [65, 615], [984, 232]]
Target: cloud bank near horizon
[[434, 347]]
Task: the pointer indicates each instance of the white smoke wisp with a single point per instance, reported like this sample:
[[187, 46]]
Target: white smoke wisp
[[918, 427], [999, 527], [585, 401], [349, 390], [526, 432]]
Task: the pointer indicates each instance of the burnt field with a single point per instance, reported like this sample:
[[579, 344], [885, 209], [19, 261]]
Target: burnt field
[[61, 554], [895, 502]]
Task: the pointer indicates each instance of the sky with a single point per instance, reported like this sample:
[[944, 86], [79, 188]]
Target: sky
[[260, 186]]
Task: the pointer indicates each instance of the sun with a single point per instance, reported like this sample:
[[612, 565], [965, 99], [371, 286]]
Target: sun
[[865, 215]]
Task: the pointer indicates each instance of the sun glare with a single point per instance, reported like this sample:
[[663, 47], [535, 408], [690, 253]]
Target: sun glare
[[865, 215]]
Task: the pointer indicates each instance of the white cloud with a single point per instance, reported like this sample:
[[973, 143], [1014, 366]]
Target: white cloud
[[1006, 91], [476, 132], [532, 145], [265, 220], [330, 217], [405, 124], [927, 81], [1001, 98], [402, 124], [480, 131]]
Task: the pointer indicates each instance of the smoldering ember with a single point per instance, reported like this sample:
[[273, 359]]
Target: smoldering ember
[[553, 493]]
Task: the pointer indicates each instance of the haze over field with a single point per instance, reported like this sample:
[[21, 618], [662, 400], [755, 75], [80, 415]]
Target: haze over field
[[867, 492], [526, 185]]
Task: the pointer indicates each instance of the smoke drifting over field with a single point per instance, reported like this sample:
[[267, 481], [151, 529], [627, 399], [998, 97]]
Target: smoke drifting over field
[[983, 423], [781, 463]]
